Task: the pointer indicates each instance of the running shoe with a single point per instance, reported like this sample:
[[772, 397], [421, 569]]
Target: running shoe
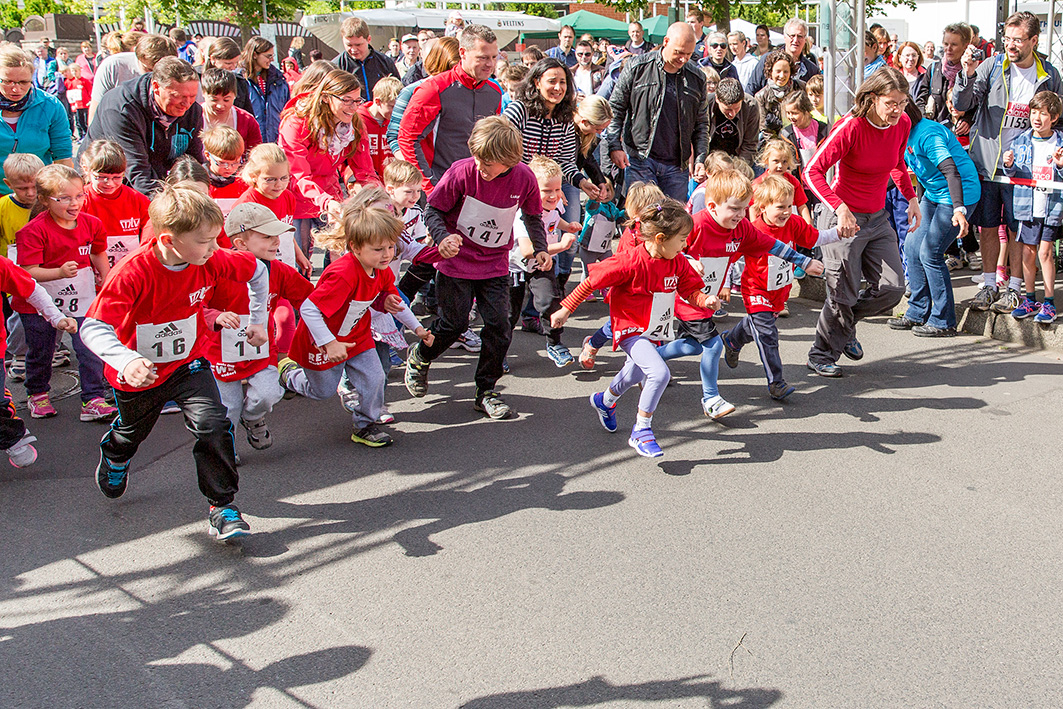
[[853, 350], [1007, 302], [645, 443], [349, 398], [111, 478], [931, 331], [902, 323], [492, 404], [606, 414], [97, 409], [396, 358], [505, 365], [385, 415], [41, 406], [469, 341], [372, 436], [1047, 315], [974, 261], [730, 352], [780, 390], [16, 371], [257, 433], [826, 369], [984, 298], [785, 312], [285, 367], [799, 272], [717, 407], [953, 263], [416, 377], [721, 313], [226, 523], [559, 355], [23, 454], [1026, 308], [587, 354], [170, 407], [61, 356], [531, 325]]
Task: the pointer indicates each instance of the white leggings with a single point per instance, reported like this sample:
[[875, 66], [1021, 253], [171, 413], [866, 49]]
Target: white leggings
[[644, 364], [263, 392]]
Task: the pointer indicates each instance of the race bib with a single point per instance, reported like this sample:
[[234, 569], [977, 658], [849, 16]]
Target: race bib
[[780, 273], [236, 348], [73, 96], [659, 326], [12, 253], [73, 296], [287, 250], [166, 342], [118, 247], [355, 310], [715, 271], [601, 235], [485, 225]]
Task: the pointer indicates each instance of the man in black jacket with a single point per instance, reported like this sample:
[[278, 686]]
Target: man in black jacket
[[155, 118], [660, 114], [360, 58]]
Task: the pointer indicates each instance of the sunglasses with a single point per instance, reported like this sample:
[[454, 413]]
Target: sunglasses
[[717, 45]]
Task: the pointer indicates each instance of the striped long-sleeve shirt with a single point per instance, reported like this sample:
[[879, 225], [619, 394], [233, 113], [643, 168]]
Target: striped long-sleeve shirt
[[549, 138]]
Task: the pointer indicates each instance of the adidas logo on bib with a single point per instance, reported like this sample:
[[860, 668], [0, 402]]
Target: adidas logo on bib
[[117, 247], [168, 331], [69, 290], [489, 224]]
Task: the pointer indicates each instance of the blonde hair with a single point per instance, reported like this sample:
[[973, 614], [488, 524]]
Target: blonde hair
[[495, 139], [387, 89], [773, 189], [639, 195], [22, 165], [354, 27], [261, 157], [50, 181], [725, 184], [311, 78], [12, 57], [223, 142], [181, 209], [595, 110], [667, 217], [398, 173], [544, 167], [360, 225], [776, 146]]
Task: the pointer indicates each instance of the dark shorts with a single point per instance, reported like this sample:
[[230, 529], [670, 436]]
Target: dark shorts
[[701, 331], [996, 200], [1033, 233]]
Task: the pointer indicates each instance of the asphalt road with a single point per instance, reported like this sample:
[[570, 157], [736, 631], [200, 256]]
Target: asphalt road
[[889, 539]]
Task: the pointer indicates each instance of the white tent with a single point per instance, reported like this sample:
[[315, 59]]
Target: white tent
[[750, 31]]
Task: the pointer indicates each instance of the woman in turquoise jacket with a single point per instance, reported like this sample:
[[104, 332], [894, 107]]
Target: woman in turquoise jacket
[[31, 121]]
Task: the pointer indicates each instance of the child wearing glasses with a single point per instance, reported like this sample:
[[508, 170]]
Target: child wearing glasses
[[122, 209], [224, 149], [65, 251]]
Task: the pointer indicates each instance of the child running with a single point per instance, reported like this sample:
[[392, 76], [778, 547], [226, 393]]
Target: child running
[[63, 249], [20, 176], [147, 325], [599, 227], [645, 281], [122, 209], [253, 228], [767, 280], [478, 199], [333, 336]]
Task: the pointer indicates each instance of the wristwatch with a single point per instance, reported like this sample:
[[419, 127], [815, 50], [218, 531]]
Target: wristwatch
[[961, 209]]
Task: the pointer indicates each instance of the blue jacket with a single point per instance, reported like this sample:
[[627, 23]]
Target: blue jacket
[[1022, 146], [267, 108], [607, 210], [42, 129]]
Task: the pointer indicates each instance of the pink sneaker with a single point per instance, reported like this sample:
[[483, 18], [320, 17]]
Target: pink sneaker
[[41, 406], [97, 410]]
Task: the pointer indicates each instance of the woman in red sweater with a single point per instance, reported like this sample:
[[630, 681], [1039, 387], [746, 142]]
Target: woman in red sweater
[[867, 146]]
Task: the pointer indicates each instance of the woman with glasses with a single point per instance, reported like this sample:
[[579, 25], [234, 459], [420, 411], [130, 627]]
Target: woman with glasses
[[31, 121], [268, 91], [320, 132], [867, 146]]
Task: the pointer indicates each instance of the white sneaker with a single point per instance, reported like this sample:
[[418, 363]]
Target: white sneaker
[[23, 454], [385, 415], [469, 340], [716, 408], [350, 399]]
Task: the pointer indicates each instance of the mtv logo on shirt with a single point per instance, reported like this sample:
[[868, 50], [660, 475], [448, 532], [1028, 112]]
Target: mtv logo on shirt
[[198, 296]]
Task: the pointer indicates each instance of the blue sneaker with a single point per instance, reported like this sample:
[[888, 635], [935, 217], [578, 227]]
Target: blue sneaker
[[111, 478], [853, 350], [1047, 316], [396, 358], [226, 523], [606, 414], [559, 355], [645, 443], [1026, 308]]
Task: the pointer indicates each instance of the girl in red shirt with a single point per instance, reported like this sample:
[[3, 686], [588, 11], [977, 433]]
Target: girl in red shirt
[[63, 250], [777, 158], [645, 281], [123, 210]]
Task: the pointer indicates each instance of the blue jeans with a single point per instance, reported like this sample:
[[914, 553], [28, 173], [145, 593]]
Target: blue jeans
[[40, 340], [671, 179], [931, 300], [897, 211], [710, 360]]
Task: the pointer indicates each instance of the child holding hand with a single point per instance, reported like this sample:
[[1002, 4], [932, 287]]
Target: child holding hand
[[599, 227]]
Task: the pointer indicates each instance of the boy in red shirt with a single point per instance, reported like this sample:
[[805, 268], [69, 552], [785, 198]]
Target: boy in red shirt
[[767, 280], [147, 326], [122, 209], [255, 229], [375, 117], [224, 149]]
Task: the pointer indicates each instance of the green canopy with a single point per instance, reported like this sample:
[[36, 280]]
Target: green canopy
[[655, 28], [585, 22]]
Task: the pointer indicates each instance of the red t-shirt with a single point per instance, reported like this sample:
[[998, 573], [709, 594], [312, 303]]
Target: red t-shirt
[[757, 293], [717, 248], [124, 215], [82, 84], [284, 282], [800, 198], [637, 280], [18, 283], [283, 208], [227, 196], [158, 312], [44, 243], [343, 295], [379, 150]]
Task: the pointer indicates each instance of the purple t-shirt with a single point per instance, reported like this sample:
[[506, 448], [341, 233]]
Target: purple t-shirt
[[483, 213]]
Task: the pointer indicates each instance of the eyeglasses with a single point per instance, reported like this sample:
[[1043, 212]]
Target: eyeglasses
[[349, 101], [896, 105], [1015, 40], [20, 84], [225, 163], [107, 177], [274, 181], [583, 54], [66, 200]]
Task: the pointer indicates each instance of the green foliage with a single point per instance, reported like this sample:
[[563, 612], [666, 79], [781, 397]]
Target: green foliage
[[539, 9]]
